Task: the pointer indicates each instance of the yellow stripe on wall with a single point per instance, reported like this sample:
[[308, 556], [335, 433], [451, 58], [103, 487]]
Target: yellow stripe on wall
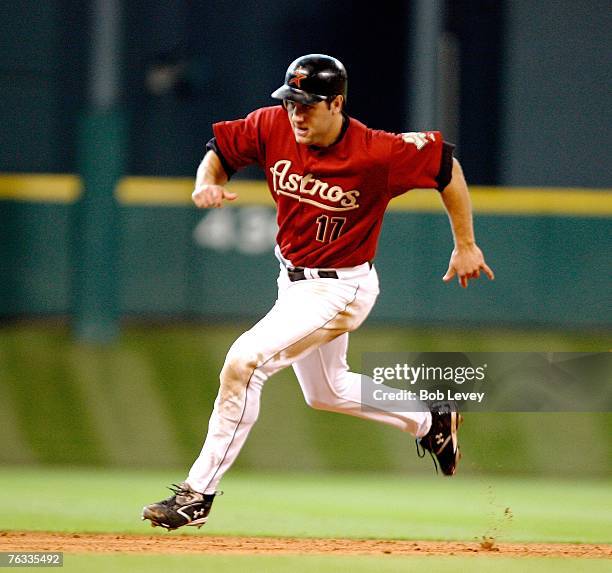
[[487, 200], [160, 191], [533, 201], [175, 191], [45, 188]]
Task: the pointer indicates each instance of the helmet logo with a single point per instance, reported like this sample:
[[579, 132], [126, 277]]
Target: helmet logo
[[298, 77]]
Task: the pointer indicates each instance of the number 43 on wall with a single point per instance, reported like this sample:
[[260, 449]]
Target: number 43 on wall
[[247, 230]]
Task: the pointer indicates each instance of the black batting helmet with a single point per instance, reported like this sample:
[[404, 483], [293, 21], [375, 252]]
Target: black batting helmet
[[313, 78]]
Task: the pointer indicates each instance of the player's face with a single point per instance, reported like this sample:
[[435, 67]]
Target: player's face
[[314, 124]]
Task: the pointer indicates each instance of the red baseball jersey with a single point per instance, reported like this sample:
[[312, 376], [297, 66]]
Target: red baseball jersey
[[331, 200]]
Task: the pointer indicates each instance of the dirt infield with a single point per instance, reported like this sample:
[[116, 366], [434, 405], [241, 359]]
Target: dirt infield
[[175, 543]]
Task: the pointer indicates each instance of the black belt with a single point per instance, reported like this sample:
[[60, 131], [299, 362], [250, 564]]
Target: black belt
[[297, 274]]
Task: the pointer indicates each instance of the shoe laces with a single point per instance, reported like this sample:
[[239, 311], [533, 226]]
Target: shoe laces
[[179, 488], [420, 449], [182, 489], [182, 494]]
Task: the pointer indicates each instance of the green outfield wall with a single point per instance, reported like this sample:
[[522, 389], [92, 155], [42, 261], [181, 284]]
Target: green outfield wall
[[550, 249]]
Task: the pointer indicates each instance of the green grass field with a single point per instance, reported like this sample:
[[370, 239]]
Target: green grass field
[[318, 505]]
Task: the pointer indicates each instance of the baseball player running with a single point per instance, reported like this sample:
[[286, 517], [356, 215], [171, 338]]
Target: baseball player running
[[331, 178]]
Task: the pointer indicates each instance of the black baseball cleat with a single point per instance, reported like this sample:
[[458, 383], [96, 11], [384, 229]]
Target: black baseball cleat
[[441, 440], [185, 507]]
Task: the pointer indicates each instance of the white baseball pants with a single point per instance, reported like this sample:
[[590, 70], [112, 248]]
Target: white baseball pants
[[308, 328]]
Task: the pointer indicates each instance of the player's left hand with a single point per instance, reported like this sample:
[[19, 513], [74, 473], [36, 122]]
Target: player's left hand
[[467, 262]]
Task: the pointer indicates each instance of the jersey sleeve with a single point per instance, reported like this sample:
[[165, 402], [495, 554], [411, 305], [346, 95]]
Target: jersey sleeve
[[419, 160], [242, 141], [212, 146]]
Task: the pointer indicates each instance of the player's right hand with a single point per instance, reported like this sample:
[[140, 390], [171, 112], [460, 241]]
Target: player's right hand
[[206, 196]]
